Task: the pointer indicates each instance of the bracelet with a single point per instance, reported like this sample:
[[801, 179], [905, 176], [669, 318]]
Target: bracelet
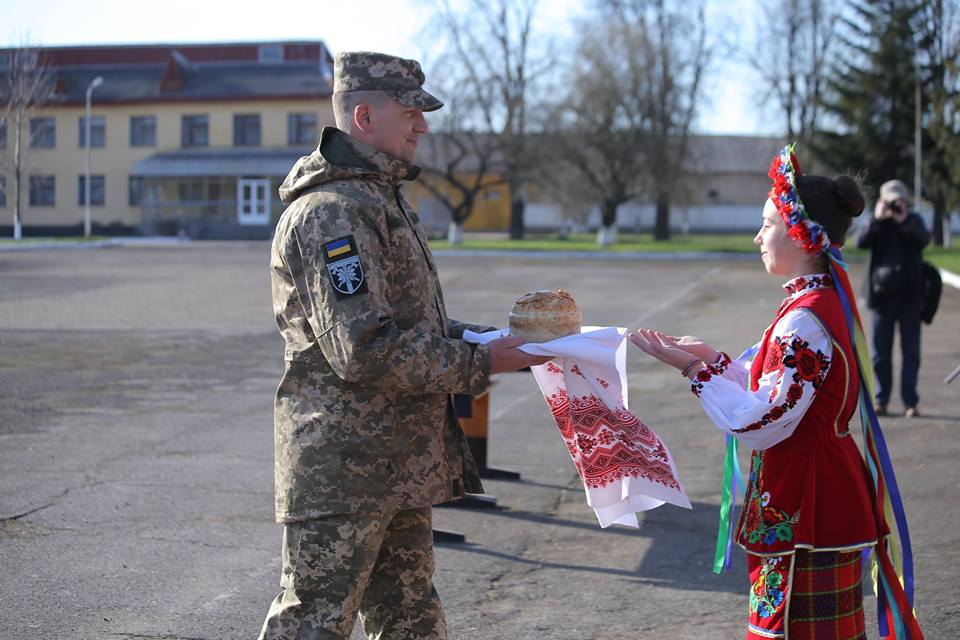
[[686, 370]]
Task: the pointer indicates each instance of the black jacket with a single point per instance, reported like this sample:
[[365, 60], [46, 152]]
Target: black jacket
[[895, 276]]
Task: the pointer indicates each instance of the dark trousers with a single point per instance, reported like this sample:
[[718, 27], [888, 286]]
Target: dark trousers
[[884, 325]]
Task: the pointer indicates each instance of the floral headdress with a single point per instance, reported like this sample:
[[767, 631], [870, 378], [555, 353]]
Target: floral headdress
[[784, 172]]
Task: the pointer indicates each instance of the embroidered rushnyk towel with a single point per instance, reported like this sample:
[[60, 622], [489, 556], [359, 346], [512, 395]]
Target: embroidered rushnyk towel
[[624, 465]]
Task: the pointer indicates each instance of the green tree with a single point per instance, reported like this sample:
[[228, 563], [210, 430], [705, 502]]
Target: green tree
[[940, 67], [868, 118]]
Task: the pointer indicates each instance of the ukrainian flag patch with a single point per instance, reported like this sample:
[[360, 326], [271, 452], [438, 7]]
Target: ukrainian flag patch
[[337, 247], [344, 267]]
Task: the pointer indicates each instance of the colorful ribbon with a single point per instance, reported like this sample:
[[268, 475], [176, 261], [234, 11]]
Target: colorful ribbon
[[895, 588], [728, 502]]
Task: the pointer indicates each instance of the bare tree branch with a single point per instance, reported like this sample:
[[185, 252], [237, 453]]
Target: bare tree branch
[[492, 41], [796, 39], [26, 84]]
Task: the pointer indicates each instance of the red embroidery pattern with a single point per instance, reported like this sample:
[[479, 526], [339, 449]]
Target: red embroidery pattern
[[603, 383], [802, 283], [576, 369], [808, 365], [773, 361], [608, 446], [707, 372], [553, 368]]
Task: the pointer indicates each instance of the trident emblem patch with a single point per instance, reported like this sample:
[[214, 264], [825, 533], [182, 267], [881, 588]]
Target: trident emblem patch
[[344, 267]]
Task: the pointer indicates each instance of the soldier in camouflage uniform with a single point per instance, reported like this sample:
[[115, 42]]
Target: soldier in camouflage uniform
[[366, 439]]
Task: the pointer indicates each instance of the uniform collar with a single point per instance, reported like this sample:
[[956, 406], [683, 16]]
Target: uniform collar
[[343, 150]]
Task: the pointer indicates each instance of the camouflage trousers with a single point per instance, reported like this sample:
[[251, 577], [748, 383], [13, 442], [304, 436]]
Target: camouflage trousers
[[379, 565]]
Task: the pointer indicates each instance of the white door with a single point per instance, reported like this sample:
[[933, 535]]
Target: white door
[[253, 207]]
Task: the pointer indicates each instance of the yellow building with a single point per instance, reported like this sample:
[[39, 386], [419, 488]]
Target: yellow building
[[190, 139], [491, 208], [196, 139]]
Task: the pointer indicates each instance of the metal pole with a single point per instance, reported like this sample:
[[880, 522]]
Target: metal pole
[[86, 158], [917, 140]]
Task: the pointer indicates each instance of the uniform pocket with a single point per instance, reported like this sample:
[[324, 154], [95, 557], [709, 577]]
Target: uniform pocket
[[367, 463], [367, 417]]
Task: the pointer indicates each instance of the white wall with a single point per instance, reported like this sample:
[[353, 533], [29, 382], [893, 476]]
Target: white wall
[[704, 219]]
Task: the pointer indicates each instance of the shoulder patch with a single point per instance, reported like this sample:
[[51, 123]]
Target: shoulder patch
[[344, 267]]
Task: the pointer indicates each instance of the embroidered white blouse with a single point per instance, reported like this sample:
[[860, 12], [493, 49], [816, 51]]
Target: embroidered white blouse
[[796, 364]]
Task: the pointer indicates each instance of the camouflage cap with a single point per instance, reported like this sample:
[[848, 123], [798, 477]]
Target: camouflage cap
[[401, 78]]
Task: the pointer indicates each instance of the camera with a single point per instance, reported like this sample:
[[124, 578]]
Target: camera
[[892, 207]]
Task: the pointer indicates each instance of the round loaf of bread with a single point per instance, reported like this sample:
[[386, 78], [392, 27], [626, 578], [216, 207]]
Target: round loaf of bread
[[541, 316]]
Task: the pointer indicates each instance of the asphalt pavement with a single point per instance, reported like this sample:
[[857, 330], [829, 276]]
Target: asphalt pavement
[[136, 454]]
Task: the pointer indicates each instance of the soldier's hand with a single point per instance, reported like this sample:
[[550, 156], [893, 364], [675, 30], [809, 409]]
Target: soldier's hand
[[505, 356]]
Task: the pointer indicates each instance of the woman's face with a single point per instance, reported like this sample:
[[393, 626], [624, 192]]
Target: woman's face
[[781, 254]]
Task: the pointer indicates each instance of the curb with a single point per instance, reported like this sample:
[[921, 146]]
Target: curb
[[664, 256], [145, 241], [950, 278]]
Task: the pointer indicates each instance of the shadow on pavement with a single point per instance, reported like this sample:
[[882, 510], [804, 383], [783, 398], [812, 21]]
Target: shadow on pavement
[[680, 557]]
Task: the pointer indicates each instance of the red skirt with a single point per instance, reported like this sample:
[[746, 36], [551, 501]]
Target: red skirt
[[806, 596]]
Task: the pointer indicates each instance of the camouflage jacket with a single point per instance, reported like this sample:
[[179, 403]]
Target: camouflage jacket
[[363, 415]]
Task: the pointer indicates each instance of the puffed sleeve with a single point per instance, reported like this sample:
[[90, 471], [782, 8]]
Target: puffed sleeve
[[737, 371], [796, 364], [356, 332]]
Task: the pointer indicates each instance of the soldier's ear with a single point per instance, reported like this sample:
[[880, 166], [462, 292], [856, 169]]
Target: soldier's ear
[[362, 119]]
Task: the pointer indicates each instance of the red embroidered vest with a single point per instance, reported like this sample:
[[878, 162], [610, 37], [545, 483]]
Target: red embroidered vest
[[812, 490]]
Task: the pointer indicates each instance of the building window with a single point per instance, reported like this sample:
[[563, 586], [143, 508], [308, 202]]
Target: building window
[[42, 190], [270, 53], [194, 131], [143, 131], [43, 133], [27, 58], [3, 191], [135, 189], [301, 129], [98, 131], [246, 130], [3, 134], [97, 195], [191, 191]]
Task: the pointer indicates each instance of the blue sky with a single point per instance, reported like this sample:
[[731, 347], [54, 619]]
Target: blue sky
[[392, 26]]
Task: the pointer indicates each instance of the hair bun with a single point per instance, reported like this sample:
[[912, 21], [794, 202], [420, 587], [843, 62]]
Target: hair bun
[[851, 198]]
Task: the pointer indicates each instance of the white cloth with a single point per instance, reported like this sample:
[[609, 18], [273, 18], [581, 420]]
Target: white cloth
[[797, 362], [624, 465]]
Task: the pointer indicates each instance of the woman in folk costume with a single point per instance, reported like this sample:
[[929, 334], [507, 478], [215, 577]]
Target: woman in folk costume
[[813, 505]]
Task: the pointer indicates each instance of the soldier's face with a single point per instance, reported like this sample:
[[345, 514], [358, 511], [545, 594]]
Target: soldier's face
[[397, 129]]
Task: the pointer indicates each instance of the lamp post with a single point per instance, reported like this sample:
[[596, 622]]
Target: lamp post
[[86, 159]]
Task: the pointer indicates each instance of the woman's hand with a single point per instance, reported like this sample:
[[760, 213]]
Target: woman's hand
[[664, 348], [696, 347]]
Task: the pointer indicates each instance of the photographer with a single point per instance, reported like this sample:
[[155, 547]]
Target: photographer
[[895, 237]]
